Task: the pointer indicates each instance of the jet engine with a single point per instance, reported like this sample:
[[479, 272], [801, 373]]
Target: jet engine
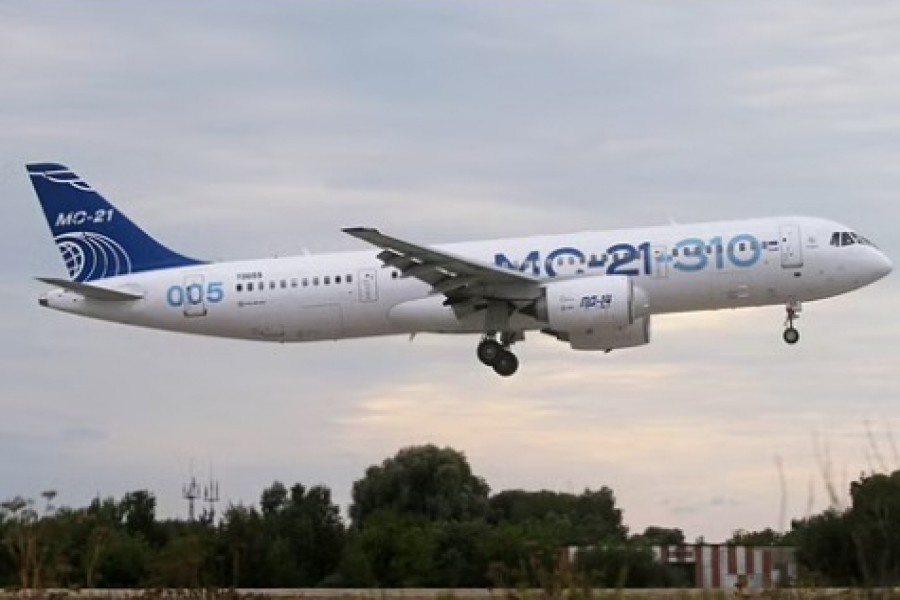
[[596, 313]]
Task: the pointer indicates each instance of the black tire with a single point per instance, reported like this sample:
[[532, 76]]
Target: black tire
[[506, 364], [791, 336], [488, 351]]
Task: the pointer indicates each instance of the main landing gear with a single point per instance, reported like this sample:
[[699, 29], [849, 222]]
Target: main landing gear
[[791, 335], [497, 355]]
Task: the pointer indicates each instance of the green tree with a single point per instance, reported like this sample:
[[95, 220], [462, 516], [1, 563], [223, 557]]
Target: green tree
[[587, 519], [875, 519], [138, 509], [123, 561], [355, 569], [273, 499], [825, 548], [661, 536], [180, 563], [627, 566], [858, 545], [766, 537], [400, 549], [461, 559], [305, 535], [426, 482], [241, 536], [527, 553], [597, 518]]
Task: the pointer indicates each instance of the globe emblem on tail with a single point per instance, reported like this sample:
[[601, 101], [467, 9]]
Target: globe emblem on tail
[[72, 256], [90, 256]]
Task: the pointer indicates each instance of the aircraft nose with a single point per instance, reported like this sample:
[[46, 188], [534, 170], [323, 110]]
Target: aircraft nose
[[882, 266]]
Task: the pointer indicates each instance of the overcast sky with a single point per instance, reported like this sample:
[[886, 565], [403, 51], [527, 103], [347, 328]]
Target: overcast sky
[[235, 130]]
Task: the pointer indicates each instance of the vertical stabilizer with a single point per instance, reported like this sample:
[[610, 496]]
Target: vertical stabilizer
[[95, 239]]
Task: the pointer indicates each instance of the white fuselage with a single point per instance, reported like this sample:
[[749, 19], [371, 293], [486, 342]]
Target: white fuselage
[[697, 267]]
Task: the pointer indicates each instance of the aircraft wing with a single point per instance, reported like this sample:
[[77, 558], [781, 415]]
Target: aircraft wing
[[456, 277]]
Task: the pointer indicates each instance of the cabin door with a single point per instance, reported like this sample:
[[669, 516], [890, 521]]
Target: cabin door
[[368, 285], [791, 247]]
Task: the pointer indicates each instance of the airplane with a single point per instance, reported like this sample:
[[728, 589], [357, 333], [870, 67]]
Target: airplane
[[595, 290]]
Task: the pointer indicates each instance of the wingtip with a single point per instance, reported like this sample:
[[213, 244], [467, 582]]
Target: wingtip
[[358, 230]]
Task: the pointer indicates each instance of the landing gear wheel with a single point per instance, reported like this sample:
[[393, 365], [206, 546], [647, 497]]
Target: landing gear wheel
[[791, 335], [506, 363], [488, 351]]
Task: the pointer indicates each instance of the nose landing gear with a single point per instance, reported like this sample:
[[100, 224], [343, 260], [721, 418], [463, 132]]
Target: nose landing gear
[[791, 335], [497, 354]]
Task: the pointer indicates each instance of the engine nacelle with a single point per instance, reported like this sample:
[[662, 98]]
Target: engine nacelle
[[596, 313]]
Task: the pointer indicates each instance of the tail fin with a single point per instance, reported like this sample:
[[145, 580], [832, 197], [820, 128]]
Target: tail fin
[[95, 239]]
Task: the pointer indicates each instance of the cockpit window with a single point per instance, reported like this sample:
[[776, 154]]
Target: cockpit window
[[849, 238]]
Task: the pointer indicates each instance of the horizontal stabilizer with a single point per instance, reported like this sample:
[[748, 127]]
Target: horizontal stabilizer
[[91, 291]]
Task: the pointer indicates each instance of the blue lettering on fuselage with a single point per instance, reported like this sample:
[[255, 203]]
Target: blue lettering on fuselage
[[689, 255]]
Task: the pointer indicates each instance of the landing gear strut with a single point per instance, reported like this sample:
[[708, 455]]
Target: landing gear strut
[[497, 354], [791, 335]]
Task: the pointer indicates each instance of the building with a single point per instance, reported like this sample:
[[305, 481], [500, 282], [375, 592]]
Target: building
[[728, 567]]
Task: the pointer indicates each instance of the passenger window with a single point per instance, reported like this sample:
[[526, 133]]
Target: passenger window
[[305, 282], [250, 287], [709, 249], [327, 280], [675, 252], [271, 285], [315, 281], [239, 287], [337, 279], [293, 283], [283, 284], [349, 278], [394, 274], [742, 246]]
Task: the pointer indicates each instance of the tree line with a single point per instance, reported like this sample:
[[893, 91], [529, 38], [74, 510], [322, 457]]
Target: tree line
[[421, 518]]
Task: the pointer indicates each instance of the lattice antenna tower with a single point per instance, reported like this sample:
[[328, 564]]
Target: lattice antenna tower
[[191, 492], [211, 497]]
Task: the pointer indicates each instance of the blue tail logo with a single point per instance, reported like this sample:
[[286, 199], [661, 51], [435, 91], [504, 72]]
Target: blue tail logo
[[95, 239]]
